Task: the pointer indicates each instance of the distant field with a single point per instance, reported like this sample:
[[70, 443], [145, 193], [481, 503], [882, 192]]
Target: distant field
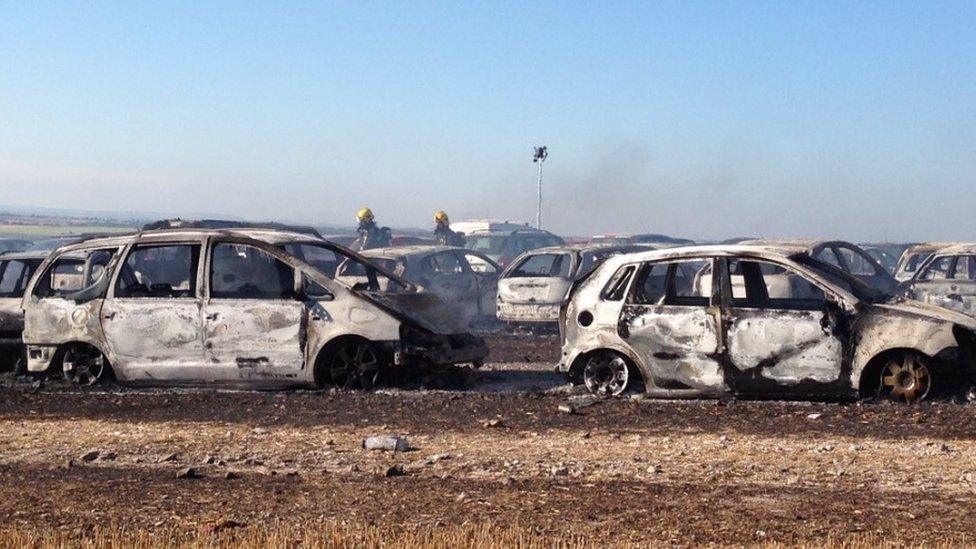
[[34, 231]]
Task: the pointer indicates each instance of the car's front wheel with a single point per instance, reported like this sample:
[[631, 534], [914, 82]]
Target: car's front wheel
[[355, 364], [906, 378], [84, 366], [606, 374]]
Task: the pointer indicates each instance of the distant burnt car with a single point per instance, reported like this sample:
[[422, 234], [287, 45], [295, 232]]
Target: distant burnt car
[[810, 330], [914, 256], [16, 270], [648, 238], [504, 241], [230, 307], [533, 287], [947, 279], [464, 279]]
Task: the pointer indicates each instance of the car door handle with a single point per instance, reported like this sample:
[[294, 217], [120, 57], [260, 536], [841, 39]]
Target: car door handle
[[109, 316], [213, 316]]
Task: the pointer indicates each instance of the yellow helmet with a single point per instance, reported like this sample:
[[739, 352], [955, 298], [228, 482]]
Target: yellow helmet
[[364, 214], [441, 217]]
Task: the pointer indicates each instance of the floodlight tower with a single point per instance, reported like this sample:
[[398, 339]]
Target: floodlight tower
[[541, 153]]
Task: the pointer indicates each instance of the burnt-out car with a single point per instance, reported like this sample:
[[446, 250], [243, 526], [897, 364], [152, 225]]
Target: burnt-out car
[[646, 318], [233, 307], [465, 279], [532, 288], [947, 279], [16, 270], [915, 256]]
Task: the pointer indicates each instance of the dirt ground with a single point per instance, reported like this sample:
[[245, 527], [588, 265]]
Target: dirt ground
[[628, 469]]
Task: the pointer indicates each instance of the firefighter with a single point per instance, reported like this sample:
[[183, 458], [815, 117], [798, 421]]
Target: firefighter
[[370, 234], [443, 233]]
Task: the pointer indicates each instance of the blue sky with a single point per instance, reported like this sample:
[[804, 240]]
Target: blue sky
[[854, 120]]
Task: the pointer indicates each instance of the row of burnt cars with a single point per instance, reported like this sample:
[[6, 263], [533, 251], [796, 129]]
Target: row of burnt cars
[[275, 308]]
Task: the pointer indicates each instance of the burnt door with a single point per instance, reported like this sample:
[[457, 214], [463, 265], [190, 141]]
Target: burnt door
[[671, 322], [253, 321], [151, 318], [444, 275], [780, 334]]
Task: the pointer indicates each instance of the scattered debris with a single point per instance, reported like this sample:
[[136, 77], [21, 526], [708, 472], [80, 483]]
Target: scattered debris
[[188, 472], [388, 443], [492, 423], [395, 471], [90, 456]]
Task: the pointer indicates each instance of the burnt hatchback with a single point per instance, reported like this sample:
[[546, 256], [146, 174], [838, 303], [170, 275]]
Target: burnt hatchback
[[760, 321]]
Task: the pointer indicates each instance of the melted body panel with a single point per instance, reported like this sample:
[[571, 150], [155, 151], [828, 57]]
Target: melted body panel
[[679, 345], [153, 338]]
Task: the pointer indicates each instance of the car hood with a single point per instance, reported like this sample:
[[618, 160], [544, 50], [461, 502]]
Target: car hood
[[422, 308], [917, 308]]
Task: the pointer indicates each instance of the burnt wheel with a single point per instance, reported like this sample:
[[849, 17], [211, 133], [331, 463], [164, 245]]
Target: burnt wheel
[[355, 365], [84, 366], [606, 373], [906, 378]]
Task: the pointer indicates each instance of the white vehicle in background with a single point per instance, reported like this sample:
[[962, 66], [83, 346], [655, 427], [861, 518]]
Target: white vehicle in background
[[503, 241], [947, 279], [464, 279], [533, 287], [914, 256]]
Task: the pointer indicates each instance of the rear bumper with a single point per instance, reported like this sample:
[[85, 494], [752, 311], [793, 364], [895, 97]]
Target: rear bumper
[[528, 312]]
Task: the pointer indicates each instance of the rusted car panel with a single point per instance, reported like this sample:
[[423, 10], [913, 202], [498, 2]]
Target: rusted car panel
[[465, 280], [830, 336], [532, 289], [947, 279], [229, 306]]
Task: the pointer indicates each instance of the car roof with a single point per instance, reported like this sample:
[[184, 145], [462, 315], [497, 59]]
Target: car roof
[[23, 255], [588, 247], [268, 236], [730, 250], [968, 248], [393, 252], [930, 247]]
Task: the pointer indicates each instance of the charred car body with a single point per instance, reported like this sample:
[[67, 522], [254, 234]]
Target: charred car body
[[236, 307], [533, 287], [466, 280], [915, 256], [504, 241], [645, 317], [16, 270], [947, 279]]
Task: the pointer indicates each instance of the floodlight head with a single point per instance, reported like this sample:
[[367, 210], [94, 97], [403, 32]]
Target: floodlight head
[[540, 154]]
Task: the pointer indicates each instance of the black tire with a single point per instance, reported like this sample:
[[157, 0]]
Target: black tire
[[906, 377], [85, 366], [353, 364]]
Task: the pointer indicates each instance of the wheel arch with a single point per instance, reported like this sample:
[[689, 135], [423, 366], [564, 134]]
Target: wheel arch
[[329, 347], [633, 362]]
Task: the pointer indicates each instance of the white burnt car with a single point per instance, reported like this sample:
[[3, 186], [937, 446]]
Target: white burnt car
[[464, 279], [645, 318], [915, 256], [239, 307], [947, 279], [534, 286]]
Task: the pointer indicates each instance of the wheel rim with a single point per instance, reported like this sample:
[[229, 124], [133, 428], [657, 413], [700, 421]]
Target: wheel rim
[[907, 380], [83, 368], [606, 375], [355, 365]]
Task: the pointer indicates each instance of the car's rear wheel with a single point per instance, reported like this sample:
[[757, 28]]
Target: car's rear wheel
[[84, 366], [355, 364], [907, 377], [606, 373]]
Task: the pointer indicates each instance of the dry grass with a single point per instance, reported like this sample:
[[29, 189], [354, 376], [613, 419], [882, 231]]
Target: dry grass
[[336, 534]]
